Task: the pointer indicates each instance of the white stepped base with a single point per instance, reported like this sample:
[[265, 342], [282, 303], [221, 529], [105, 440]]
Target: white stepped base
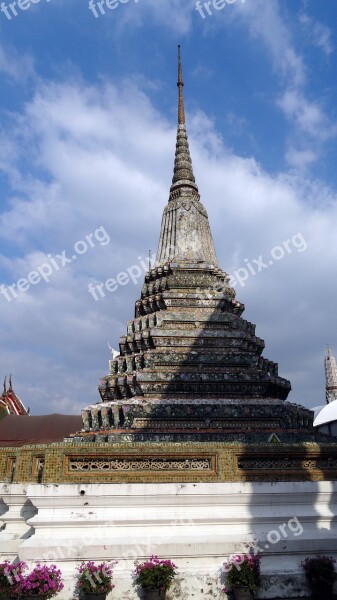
[[197, 525]]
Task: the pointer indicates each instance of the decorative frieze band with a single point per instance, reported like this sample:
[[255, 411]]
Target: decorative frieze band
[[206, 423], [99, 464], [280, 464]]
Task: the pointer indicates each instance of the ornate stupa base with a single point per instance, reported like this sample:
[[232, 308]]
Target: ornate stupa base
[[196, 420]]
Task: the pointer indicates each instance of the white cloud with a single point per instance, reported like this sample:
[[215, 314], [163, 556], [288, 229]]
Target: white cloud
[[101, 156], [267, 23], [15, 65], [264, 21], [301, 159], [320, 35], [308, 116], [175, 15]]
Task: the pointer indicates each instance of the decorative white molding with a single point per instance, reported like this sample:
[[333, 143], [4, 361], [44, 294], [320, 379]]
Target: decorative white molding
[[198, 525], [14, 527]]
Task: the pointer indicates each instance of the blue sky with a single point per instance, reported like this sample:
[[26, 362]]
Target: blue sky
[[88, 120]]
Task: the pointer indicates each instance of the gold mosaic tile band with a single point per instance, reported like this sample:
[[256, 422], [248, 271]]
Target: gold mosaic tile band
[[159, 462]]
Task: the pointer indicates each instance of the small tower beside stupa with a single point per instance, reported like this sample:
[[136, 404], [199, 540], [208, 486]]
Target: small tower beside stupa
[[330, 377]]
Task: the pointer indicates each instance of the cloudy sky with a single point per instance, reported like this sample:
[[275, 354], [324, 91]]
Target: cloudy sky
[[88, 122]]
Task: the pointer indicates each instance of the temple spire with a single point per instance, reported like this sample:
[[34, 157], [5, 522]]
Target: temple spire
[[185, 232], [183, 171], [330, 377], [180, 84]]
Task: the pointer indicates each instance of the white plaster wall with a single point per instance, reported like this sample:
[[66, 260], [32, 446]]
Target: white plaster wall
[[15, 509], [195, 524]]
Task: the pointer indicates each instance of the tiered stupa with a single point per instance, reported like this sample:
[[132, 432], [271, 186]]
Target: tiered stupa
[[190, 367], [193, 451]]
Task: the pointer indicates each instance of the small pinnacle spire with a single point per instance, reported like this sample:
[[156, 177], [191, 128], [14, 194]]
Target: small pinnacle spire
[[10, 382], [5, 386], [183, 171], [331, 377], [180, 84]]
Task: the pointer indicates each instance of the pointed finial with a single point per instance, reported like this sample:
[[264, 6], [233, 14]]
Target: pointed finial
[[5, 385], [183, 171], [10, 382], [180, 84]]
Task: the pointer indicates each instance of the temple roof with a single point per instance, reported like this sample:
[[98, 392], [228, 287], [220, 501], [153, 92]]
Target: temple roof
[[19, 431], [326, 414], [10, 403]]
